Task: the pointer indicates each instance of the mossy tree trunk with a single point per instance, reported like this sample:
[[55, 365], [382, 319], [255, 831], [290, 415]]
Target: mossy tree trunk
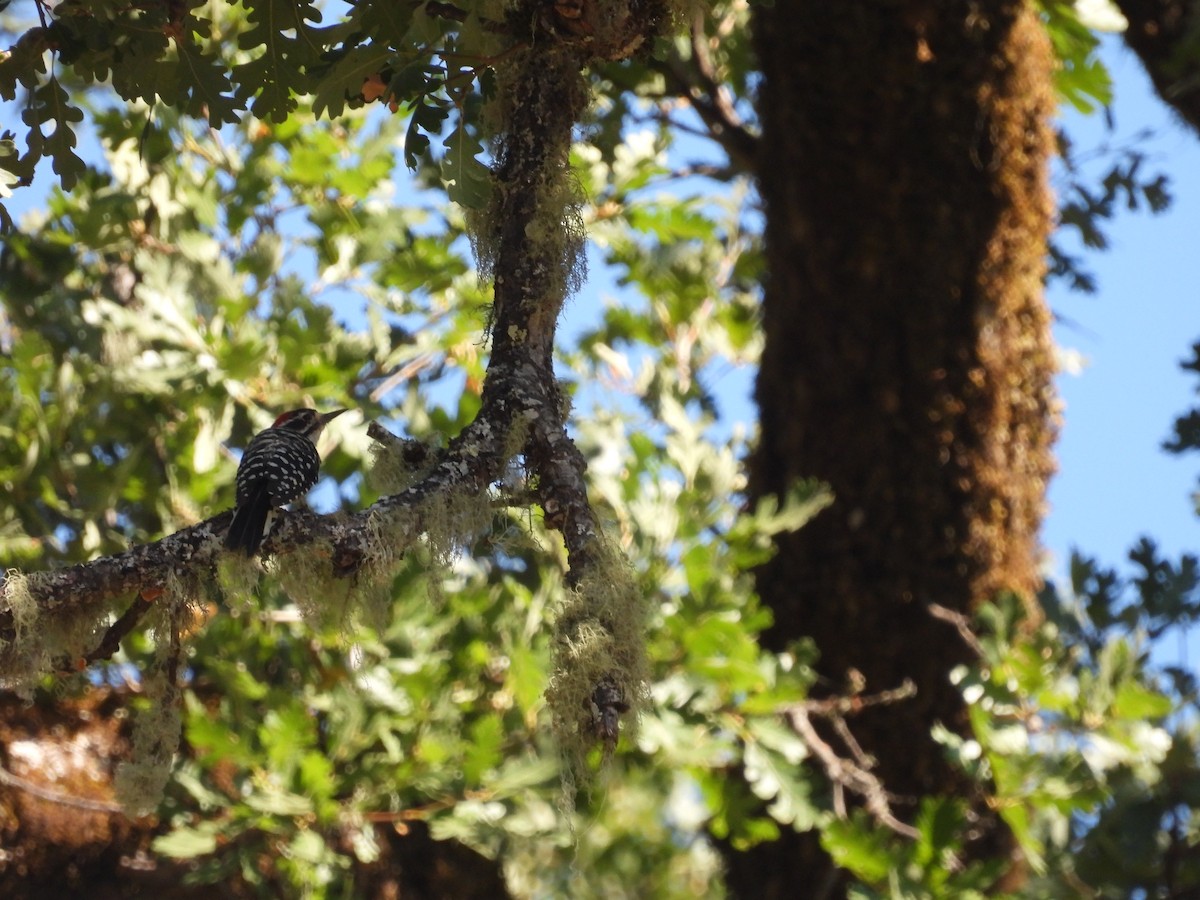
[[908, 360]]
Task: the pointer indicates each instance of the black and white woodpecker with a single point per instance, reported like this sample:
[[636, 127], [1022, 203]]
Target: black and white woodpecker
[[280, 465]]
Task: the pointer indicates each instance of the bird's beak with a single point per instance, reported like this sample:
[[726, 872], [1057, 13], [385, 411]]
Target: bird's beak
[[330, 416]]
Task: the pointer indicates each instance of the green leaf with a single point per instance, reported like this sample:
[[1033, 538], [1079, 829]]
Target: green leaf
[[279, 803], [863, 850], [1017, 816], [388, 22], [50, 103], [1082, 80], [309, 847], [484, 752], [344, 81], [188, 843], [773, 778], [280, 29], [427, 118], [316, 775], [1136, 701], [22, 64], [520, 773], [206, 87], [939, 824], [468, 181]]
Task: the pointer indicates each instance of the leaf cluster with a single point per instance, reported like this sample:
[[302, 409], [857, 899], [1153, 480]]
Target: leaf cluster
[[1186, 437], [1092, 195], [219, 62]]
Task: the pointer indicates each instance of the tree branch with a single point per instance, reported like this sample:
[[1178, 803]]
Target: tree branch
[[851, 773], [473, 460], [52, 796], [961, 624], [92, 585], [117, 632], [697, 82], [533, 249], [1160, 32]]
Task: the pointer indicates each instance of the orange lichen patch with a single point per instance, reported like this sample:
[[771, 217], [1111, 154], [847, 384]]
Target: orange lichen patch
[[1015, 407]]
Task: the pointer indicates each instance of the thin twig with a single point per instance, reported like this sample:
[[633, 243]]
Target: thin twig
[[961, 624], [848, 775], [404, 373], [853, 774], [52, 796], [830, 706], [697, 83], [117, 631]]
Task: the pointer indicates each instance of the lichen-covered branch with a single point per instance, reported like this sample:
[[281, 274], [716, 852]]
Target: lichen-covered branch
[[530, 241], [67, 591], [349, 541], [536, 254]]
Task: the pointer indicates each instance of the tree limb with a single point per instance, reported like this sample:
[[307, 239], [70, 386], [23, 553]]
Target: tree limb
[[853, 773], [1163, 35], [696, 80], [535, 259]]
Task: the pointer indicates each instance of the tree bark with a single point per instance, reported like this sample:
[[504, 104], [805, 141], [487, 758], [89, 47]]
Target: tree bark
[[908, 360], [1163, 35]]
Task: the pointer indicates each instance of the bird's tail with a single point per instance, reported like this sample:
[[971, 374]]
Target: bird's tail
[[249, 522]]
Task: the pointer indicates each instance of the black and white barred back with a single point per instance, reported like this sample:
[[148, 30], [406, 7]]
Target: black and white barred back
[[280, 465], [281, 462]]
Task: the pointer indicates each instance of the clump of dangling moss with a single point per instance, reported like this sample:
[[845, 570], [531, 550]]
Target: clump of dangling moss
[[158, 722], [40, 644], [598, 664]]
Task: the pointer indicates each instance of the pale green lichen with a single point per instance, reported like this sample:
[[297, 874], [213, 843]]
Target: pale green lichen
[[449, 521], [307, 578], [177, 610], [453, 520], [375, 600], [237, 578], [566, 399], [26, 657], [72, 635], [599, 638], [19, 599], [549, 102], [390, 472], [389, 535], [560, 229], [157, 727], [41, 645], [158, 722]]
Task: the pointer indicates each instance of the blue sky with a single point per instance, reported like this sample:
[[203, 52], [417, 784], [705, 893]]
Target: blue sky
[[1115, 483]]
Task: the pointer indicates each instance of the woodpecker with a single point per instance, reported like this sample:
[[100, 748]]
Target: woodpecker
[[280, 465]]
